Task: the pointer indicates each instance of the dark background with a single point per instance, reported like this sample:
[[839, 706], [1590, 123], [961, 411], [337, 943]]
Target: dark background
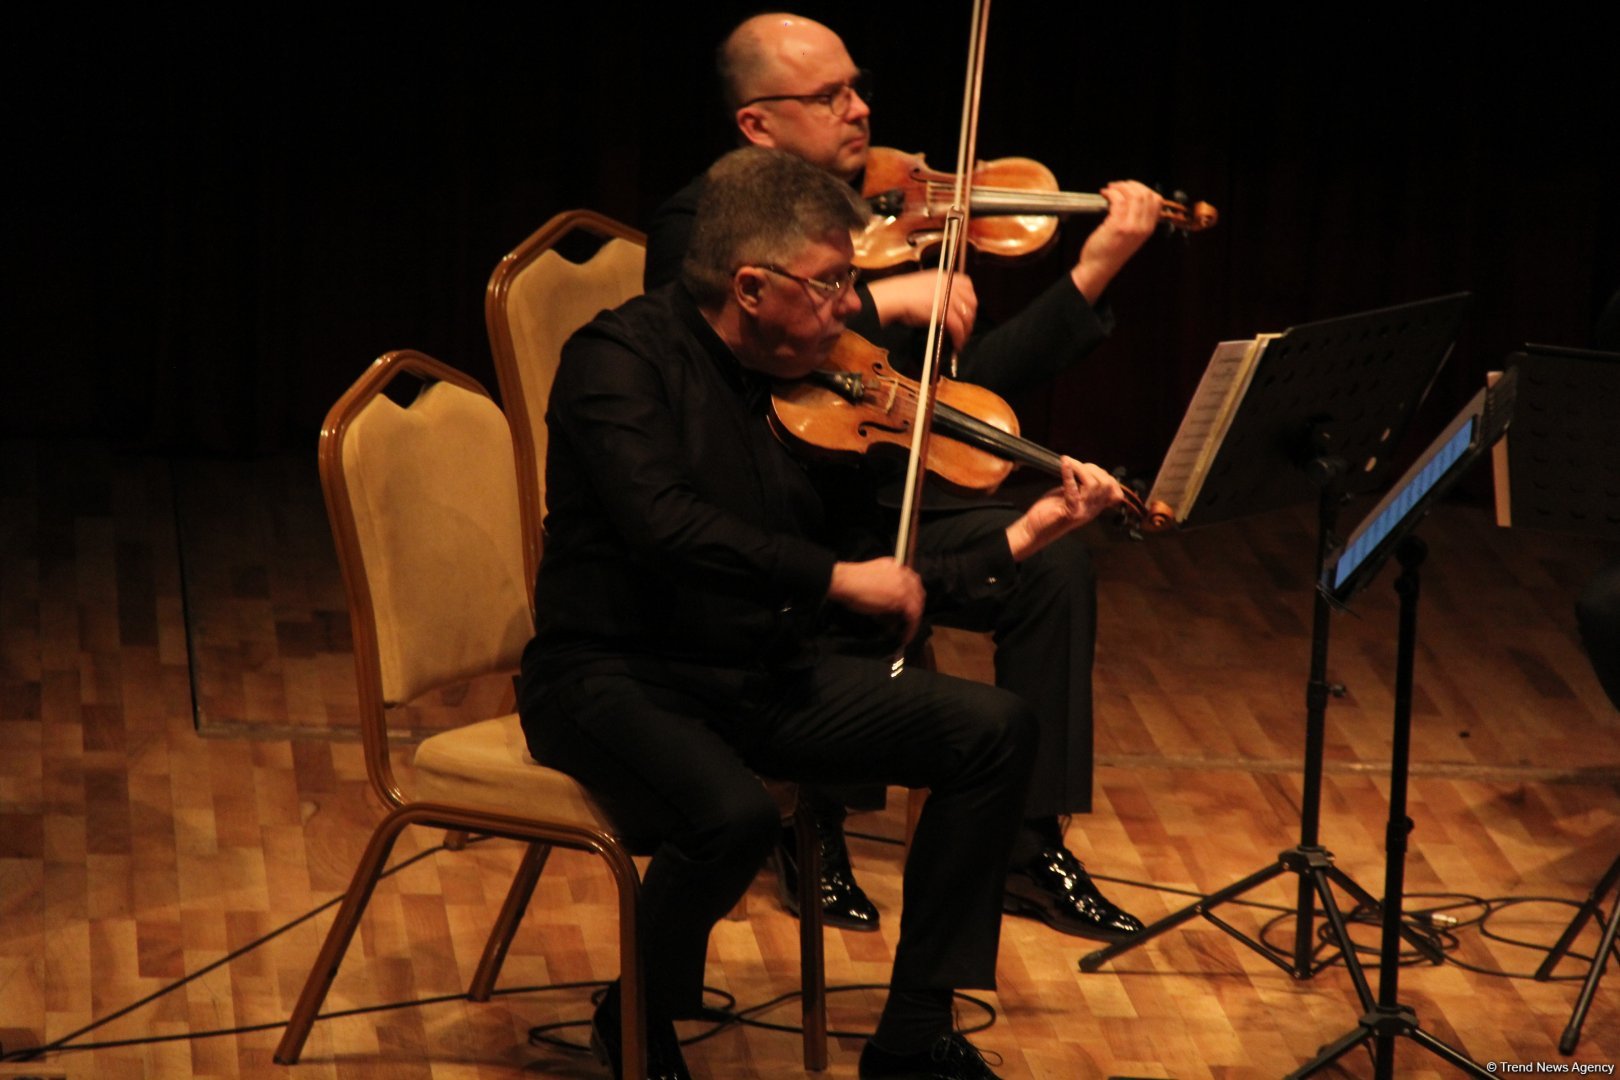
[[217, 221]]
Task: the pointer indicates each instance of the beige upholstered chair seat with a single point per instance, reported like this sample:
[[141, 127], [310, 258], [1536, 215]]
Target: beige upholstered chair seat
[[487, 766]]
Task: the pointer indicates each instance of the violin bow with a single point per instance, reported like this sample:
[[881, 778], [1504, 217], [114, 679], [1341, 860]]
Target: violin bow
[[952, 253]]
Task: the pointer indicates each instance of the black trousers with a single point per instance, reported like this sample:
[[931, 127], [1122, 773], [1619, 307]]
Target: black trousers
[[679, 766], [1045, 631]]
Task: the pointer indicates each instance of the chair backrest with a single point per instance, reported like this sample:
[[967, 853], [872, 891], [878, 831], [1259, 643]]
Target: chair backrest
[[423, 502], [535, 301]]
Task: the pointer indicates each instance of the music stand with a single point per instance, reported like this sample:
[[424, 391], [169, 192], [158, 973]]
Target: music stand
[[1563, 461], [1318, 410], [1389, 529], [1562, 473]]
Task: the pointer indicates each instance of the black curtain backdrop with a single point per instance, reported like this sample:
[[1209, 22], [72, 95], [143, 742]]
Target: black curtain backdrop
[[221, 219]]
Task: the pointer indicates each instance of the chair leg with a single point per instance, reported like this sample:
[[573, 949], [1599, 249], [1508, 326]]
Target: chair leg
[[632, 1024], [500, 936], [338, 938], [812, 957]]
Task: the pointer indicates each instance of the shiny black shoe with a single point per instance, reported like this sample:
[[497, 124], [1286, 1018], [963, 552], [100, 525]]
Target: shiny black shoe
[[951, 1057], [664, 1060], [1055, 888], [843, 902]]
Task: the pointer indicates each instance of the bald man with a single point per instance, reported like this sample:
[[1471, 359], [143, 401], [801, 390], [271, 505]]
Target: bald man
[[790, 84]]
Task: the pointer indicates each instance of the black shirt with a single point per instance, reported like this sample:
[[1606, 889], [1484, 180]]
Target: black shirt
[[679, 530]]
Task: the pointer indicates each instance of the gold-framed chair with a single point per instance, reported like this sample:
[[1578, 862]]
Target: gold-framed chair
[[536, 299], [418, 496]]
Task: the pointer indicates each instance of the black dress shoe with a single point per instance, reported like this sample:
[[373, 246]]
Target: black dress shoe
[[843, 902], [1056, 889], [664, 1060], [951, 1057]]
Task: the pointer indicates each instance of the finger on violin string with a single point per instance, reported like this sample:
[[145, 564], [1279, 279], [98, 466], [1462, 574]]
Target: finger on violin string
[[1074, 479]]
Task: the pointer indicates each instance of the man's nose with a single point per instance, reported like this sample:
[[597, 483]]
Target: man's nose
[[849, 301], [858, 108]]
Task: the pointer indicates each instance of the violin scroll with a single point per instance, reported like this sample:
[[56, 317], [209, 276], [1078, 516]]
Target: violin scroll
[[1181, 217], [1137, 513]]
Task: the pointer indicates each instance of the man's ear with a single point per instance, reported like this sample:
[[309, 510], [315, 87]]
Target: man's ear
[[755, 125], [748, 288]]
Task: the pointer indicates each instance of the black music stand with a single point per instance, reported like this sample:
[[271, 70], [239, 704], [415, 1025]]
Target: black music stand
[[1389, 529], [1563, 461], [1563, 474], [1324, 410]]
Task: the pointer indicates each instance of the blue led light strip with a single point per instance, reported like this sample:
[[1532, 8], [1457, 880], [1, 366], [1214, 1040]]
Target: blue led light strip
[[1373, 532]]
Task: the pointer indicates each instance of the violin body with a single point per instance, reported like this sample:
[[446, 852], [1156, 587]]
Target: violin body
[[1014, 206], [857, 402], [906, 223]]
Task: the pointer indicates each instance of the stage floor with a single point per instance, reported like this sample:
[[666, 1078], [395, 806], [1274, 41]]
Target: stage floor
[[178, 777]]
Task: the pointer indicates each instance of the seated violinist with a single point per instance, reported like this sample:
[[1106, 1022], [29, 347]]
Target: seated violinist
[[791, 84], [686, 578]]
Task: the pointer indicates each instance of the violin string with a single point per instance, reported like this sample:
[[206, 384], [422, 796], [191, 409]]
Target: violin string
[[985, 198], [1004, 443], [1011, 446]]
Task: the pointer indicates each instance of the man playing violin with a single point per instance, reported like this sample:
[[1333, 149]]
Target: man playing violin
[[687, 577], [790, 84]]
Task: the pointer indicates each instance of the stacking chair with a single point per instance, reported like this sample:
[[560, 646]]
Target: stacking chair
[[424, 507], [535, 300]]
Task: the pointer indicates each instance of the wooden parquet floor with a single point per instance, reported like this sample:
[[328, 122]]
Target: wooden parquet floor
[[137, 851]]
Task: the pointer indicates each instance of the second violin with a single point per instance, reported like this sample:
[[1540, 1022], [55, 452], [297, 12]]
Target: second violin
[[1015, 205]]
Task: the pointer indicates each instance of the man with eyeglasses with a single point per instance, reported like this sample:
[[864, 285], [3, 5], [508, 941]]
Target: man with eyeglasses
[[688, 574], [790, 84]]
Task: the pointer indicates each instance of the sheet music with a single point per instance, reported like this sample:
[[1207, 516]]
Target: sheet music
[[1209, 414]]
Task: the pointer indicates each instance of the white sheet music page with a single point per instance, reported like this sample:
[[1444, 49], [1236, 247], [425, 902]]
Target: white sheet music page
[[1208, 416]]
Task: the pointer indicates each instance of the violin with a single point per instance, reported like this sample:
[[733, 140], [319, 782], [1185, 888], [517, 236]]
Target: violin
[[856, 401], [1015, 204]]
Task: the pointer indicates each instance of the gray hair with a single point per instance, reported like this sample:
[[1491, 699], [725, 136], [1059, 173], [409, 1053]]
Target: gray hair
[[761, 206]]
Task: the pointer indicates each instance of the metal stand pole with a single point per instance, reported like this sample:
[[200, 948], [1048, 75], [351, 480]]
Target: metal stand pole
[[1388, 1020]]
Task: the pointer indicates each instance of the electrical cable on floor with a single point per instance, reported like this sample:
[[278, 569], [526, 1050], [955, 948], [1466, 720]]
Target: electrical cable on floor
[[1439, 927], [727, 1016], [1436, 923], [33, 1053]]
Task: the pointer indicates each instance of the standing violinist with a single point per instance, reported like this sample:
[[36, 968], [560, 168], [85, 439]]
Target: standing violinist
[[688, 572], [790, 84]]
